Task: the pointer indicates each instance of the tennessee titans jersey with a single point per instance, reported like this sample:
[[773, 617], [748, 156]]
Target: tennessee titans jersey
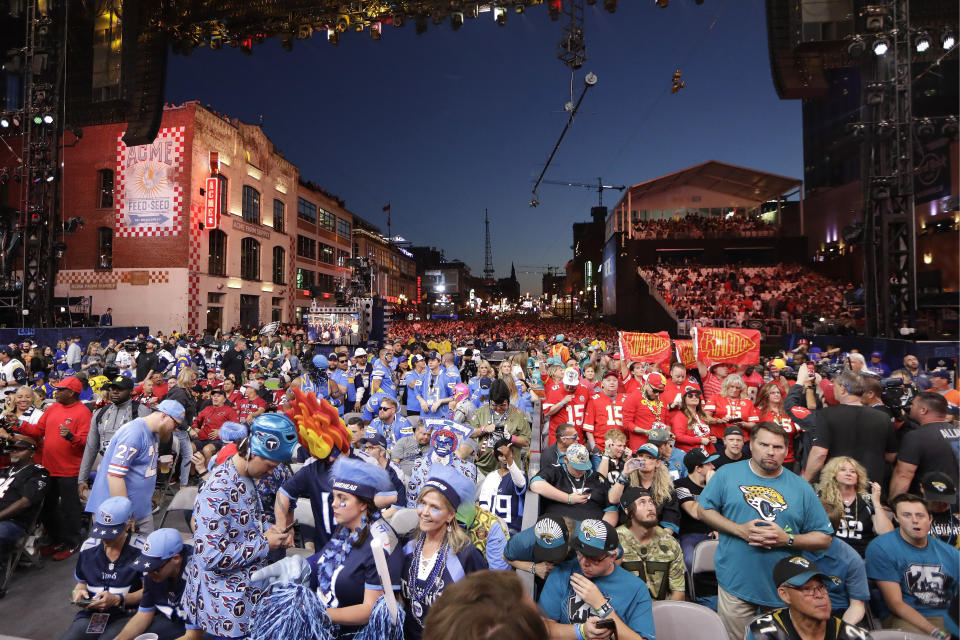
[[132, 456], [506, 502], [164, 597]]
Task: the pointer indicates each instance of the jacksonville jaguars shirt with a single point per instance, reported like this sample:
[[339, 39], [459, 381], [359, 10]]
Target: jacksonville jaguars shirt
[[740, 495]]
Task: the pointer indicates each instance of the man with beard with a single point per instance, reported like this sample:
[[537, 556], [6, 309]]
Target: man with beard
[[495, 421], [22, 487], [763, 513], [642, 409], [129, 466], [650, 552]]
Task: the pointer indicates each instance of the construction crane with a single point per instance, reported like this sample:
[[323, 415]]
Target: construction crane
[[598, 186]]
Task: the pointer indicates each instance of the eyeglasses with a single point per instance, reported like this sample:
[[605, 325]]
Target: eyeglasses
[[568, 437], [810, 590], [385, 408]]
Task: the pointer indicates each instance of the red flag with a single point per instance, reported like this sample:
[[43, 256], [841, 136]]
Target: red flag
[[685, 353], [733, 346], [646, 347], [386, 208]]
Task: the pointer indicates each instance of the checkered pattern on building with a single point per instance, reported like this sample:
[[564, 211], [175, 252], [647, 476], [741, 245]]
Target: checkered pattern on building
[[173, 228], [193, 272], [99, 277], [291, 289]]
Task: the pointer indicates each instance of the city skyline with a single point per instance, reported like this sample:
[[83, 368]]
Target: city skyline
[[446, 124]]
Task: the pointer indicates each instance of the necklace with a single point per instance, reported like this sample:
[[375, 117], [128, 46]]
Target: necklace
[[424, 592], [656, 407]]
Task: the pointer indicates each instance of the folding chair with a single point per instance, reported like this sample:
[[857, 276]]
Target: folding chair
[[896, 634], [182, 502], [703, 562], [16, 554], [303, 515], [676, 620]]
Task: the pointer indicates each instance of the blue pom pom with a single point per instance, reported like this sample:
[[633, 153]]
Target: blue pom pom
[[381, 627], [291, 612]]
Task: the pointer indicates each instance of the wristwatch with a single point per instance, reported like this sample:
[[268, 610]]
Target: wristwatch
[[790, 540]]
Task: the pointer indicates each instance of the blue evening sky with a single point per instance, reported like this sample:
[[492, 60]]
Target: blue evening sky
[[445, 124]]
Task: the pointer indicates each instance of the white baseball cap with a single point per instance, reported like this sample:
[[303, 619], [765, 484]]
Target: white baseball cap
[[571, 377]]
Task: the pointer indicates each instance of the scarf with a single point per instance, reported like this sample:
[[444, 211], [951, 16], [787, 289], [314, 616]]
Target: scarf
[[333, 556]]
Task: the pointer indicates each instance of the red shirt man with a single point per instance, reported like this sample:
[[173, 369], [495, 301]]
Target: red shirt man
[[566, 403], [642, 409], [212, 417], [250, 406], [604, 411], [63, 428]]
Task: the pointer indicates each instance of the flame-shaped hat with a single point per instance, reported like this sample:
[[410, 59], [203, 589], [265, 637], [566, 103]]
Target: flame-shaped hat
[[319, 426]]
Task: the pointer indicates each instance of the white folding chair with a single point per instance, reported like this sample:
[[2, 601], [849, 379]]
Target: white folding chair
[[896, 634], [677, 620], [704, 555]]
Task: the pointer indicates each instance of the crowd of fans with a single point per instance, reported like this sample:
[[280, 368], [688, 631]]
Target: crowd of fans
[[419, 458], [696, 226], [791, 294]]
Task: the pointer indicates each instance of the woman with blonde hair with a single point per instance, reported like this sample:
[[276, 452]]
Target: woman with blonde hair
[[732, 405], [843, 484], [440, 552], [183, 394], [648, 471]]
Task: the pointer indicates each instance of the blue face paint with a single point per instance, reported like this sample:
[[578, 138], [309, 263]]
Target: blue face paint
[[434, 513], [443, 445]]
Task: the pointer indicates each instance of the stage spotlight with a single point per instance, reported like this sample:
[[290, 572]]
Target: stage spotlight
[[884, 129], [500, 15], [948, 39], [949, 127], [456, 20], [856, 47], [333, 36], [875, 18], [875, 92], [47, 118], [49, 176], [15, 120], [421, 24], [925, 128], [922, 43], [5, 122], [37, 119], [881, 45]]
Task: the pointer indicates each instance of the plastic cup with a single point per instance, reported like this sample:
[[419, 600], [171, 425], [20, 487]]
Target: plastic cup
[[166, 463], [147, 636]]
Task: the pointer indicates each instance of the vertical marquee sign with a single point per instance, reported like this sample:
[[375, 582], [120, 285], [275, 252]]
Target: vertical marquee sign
[[149, 198], [211, 207]]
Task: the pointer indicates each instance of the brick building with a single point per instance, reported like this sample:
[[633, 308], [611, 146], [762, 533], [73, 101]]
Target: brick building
[[324, 229], [394, 275], [147, 248]]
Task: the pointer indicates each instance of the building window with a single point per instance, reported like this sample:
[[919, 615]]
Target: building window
[[342, 258], [343, 228], [326, 220], [327, 254], [218, 253], [279, 209], [305, 278], [306, 247], [104, 248], [251, 204], [105, 196], [306, 210], [326, 283], [279, 262], [223, 196], [107, 45], [249, 259]]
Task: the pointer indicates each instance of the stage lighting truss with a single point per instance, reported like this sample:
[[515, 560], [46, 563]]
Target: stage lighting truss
[[948, 40], [874, 18], [856, 47], [881, 45]]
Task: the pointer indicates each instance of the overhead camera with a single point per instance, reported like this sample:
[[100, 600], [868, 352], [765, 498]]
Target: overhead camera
[[535, 202], [897, 395]]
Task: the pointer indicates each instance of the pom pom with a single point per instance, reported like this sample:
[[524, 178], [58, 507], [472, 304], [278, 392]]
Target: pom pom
[[291, 612], [381, 625]]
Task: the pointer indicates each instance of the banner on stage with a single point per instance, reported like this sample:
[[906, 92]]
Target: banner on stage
[[732, 346], [646, 347]]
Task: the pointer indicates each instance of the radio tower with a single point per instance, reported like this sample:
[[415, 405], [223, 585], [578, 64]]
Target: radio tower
[[487, 251]]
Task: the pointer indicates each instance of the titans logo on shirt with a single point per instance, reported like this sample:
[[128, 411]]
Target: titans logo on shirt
[[767, 502], [929, 584]]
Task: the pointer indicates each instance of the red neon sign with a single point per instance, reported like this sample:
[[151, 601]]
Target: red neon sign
[[419, 290], [211, 206]]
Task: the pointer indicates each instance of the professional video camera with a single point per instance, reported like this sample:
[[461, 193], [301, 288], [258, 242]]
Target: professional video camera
[[897, 396], [828, 370]]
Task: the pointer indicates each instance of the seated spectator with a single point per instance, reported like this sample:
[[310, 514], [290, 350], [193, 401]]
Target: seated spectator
[[941, 496], [801, 584], [577, 595], [356, 428], [648, 472], [163, 562], [251, 406], [566, 436], [843, 484], [22, 488], [538, 549], [108, 580], [376, 447], [649, 551], [407, 451], [485, 604], [848, 587], [573, 489], [389, 423], [692, 531], [488, 533], [917, 574], [205, 433], [672, 458]]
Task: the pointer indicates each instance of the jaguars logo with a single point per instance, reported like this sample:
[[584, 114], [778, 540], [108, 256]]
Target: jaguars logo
[[768, 502]]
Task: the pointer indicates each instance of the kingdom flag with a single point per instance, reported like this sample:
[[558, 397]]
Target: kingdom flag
[[732, 346], [646, 347]]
